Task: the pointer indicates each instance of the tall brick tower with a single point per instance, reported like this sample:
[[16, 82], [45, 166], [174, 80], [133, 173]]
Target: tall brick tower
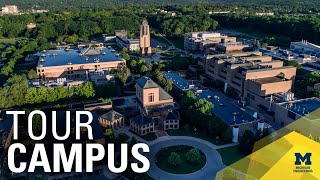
[[145, 48]]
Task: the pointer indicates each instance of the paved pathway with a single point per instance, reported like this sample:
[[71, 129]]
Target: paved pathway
[[208, 172]]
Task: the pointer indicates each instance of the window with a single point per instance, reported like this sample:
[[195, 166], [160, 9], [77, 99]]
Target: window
[[151, 97]]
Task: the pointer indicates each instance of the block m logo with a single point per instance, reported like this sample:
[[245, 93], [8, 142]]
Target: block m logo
[[306, 159]]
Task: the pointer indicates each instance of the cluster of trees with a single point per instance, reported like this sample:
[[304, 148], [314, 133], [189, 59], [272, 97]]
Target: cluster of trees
[[198, 113], [70, 27], [248, 139], [282, 29], [292, 6], [16, 53], [18, 93], [196, 20], [303, 80], [158, 77]]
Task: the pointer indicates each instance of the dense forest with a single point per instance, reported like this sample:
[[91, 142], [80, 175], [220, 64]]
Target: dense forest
[[274, 5]]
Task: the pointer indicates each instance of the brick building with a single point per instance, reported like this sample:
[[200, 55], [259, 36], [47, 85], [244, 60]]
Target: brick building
[[156, 106], [76, 64], [145, 46], [112, 119], [252, 75]]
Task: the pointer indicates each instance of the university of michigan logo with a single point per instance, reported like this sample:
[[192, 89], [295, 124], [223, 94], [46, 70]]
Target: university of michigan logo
[[306, 159]]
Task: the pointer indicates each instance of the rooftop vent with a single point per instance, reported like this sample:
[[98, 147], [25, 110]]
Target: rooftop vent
[[69, 63], [41, 60]]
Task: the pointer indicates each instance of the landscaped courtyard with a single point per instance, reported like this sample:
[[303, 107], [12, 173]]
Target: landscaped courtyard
[[180, 159]]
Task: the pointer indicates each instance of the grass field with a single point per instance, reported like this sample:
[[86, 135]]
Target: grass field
[[230, 155], [185, 167]]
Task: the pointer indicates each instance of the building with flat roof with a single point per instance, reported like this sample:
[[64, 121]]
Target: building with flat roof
[[289, 111], [304, 47], [251, 75], [202, 40], [231, 113], [156, 105], [121, 39], [77, 64], [10, 9]]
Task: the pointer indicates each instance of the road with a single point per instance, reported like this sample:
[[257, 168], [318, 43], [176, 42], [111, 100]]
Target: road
[[208, 172]]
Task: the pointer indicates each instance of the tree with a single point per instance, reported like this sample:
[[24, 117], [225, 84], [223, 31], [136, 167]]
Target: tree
[[85, 90], [37, 124], [32, 74], [246, 142], [186, 99], [174, 159], [126, 56], [109, 135], [71, 39], [105, 100], [122, 75], [193, 156], [143, 69], [168, 85]]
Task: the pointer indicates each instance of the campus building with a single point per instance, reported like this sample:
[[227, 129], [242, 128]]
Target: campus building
[[78, 64], [156, 106], [239, 117], [202, 40], [304, 46], [10, 9], [252, 75], [112, 119], [121, 40], [145, 45]]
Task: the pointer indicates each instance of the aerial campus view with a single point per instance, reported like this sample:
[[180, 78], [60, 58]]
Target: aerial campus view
[[185, 89]]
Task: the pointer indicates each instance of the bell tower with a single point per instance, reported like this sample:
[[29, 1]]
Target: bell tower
[[145, 48]]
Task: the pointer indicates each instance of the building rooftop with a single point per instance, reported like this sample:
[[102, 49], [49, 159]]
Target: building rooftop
[[61, 57], [146, 83], [142, 120], [302, 107], [268, 80], [223, 108], [178, 81], [112, 116]]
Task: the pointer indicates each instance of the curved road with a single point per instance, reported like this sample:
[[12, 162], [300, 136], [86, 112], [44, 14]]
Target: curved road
[[208, 172]]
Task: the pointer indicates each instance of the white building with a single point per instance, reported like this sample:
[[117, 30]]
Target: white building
[[200, 40], [9, 9]]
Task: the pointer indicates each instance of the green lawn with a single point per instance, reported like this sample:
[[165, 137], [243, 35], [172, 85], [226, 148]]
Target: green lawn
[[8, 40], [183, 132], [148, 137], [177, 42], [159, 38], [230, 155], [185, 167]]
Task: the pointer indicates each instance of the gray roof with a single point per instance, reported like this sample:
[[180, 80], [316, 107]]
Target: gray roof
[[163, 95], [112, 116], [173, 115], [142, 120], [62, 57], [146, 82]]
